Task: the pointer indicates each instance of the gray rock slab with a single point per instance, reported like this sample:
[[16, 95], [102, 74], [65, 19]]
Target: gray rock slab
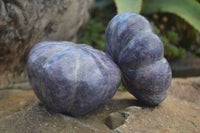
[[23, 23], [20, 111]]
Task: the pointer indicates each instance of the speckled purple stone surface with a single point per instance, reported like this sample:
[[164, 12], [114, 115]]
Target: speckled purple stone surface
[[72, 78], [139, 52]]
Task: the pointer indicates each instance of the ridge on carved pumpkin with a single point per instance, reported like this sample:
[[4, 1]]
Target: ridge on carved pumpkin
[[139, 52], [72, 78]]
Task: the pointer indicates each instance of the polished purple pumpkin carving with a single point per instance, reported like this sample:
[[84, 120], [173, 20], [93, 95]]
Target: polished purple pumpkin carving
[[72, 78], [139, 52]]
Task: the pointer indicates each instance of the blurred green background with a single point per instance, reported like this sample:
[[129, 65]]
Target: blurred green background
[[178, 30]]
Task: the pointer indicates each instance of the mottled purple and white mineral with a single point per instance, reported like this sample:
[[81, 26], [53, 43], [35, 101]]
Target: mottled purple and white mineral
[[72, 78], [139, 52]]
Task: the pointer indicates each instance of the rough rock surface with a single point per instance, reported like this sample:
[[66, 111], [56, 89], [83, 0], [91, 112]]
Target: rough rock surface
[[174, 116], [24, 23], [179, 113]]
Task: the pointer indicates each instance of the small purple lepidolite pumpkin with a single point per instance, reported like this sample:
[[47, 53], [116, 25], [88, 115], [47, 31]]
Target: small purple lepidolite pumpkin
[[139, 52], [72, 78]]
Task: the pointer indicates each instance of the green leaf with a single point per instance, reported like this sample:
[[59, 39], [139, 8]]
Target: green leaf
[[128, 5], [189, 10]]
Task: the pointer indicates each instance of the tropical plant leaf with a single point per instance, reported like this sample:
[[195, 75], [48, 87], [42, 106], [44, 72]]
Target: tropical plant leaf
[[128, 5], [189, 10]]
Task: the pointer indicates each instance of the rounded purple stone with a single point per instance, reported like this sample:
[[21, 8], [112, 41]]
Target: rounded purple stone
[[139, 52], [72, 78]]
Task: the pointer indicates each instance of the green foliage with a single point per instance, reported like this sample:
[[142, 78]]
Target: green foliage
[[171, 51], [172, 36], [156, 30], [121, 87], [128, 5], [178, 37], [94, 35], [189, 10], [170, 41]]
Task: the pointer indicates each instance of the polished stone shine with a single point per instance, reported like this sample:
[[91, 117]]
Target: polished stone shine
[[72, 78], [139, 52]]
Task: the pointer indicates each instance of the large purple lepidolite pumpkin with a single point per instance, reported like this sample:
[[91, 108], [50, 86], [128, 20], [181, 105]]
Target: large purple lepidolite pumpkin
[[72, 78], [139, 52]]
